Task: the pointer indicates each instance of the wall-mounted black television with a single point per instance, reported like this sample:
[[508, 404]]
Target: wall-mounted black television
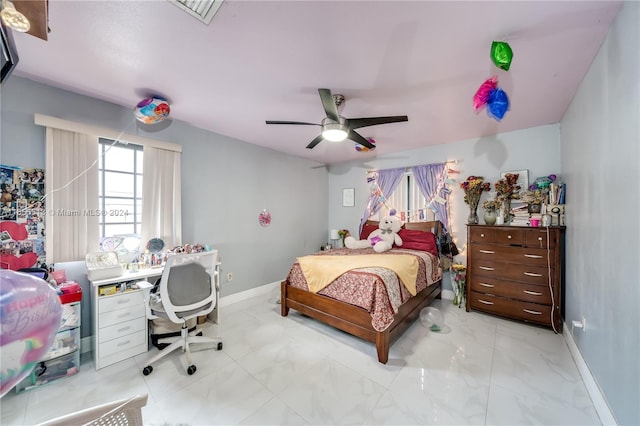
[[9, 53]]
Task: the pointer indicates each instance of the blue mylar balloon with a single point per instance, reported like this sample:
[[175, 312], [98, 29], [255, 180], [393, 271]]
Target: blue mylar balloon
[[498, 104]]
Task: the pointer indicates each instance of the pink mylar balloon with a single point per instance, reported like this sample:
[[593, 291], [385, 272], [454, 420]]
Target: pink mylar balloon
[[481, 97], [30, 313], [152, 110]]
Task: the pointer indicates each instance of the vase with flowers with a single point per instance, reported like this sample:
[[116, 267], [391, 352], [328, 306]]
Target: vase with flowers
[[490, 211], [534, 199], [343, 233], [507, 189], [458, 275], [473, 187]]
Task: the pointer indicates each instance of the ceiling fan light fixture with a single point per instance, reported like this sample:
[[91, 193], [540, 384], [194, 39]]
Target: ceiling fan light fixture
[[14, 19], [334, 132]]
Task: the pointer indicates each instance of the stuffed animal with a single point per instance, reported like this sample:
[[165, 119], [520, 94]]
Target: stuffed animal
[[382, 239]]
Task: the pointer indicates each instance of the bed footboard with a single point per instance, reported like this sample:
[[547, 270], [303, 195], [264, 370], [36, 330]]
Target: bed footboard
[[355, 320]]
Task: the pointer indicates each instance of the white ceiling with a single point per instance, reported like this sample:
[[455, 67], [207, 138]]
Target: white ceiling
[[265, 60]]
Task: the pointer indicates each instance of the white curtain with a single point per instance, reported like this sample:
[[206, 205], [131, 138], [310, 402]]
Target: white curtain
[[71, 188], [161, 197]]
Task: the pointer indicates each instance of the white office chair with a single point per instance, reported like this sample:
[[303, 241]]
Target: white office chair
[[187, 290]]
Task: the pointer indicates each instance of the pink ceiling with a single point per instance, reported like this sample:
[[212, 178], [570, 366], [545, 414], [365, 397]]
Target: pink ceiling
[[265, 60]]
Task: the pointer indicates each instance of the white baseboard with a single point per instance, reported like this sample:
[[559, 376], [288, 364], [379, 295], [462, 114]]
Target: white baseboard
[[86, 344], [248, 294], [599, 402]]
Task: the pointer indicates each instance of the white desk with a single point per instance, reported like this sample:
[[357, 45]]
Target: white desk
[[120, 326], [119, 320]]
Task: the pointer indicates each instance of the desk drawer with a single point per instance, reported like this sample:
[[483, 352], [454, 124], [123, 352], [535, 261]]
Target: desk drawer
[[120, 300], [122, 329], [525, 292], [108, 319], [123, 343], [533, 312]]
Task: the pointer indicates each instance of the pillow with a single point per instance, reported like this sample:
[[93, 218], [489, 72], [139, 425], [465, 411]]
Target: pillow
[[366, 230], [419, 240]]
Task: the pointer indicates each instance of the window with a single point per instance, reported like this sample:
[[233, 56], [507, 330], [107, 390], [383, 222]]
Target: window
[[409, 202], [120, 189]]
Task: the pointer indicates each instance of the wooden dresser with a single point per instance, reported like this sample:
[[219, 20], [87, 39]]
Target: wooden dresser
[[516, 272]]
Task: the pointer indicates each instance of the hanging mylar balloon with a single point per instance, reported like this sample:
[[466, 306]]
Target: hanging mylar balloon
[[501, 54], [481, 97], [498, 104], [152, 110], [361, 148], [30, 313]]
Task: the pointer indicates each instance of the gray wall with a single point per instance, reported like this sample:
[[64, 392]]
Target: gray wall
[[600, 156], [226, 183], [536, 150]]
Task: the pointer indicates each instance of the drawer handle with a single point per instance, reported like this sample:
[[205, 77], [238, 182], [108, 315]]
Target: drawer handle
[[125, 314], [531, 274], [487, 252], [482, 235], [509, 236], [533, 293], [486, 268], [486, 285], [121, 301], [120, 330], [529, 311], [129, 341], [539, 238], [485, 302], [533, 256]]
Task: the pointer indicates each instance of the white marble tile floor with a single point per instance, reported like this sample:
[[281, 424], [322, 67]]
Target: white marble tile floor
[[480, 370]]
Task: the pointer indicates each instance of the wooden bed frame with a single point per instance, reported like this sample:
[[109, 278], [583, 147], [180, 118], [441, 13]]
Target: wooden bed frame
[[355, 320]]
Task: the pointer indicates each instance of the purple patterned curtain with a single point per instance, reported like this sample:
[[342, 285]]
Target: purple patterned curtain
[[387, 180], [431, 181]]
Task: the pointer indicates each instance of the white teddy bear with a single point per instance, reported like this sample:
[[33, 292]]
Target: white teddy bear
[[382, 239]]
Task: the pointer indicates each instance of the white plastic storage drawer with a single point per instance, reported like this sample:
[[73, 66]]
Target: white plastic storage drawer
[[123, 343]]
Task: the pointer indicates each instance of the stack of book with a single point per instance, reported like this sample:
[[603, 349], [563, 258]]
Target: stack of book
[[520, 216]]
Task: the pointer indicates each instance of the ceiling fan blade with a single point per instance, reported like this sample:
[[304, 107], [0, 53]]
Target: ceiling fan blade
[[315, 142], [290, 122], [356, 123], [329, 105], [356, 137]]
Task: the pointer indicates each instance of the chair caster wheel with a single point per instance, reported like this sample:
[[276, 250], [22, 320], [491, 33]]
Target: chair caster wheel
[[147, 370], [219, 346], [199, 334], [191, 369]]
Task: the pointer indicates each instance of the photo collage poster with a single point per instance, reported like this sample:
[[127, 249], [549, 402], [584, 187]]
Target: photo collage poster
[[22, 210]]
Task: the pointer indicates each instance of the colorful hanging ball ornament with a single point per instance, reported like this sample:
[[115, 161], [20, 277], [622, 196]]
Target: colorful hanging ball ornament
[[361, 148], [501, 55], [481, 97], [498, 104], [152, 110]]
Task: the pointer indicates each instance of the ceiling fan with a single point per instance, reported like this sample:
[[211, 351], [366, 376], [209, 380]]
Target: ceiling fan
[[336, 128]]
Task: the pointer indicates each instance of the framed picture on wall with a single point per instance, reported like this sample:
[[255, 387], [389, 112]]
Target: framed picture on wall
[[523, 178], [348, 197]]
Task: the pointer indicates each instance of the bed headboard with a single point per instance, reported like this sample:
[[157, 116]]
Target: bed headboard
[[433, 226]]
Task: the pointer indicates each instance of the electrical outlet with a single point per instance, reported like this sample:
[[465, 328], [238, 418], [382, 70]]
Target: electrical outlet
[[229, 276]]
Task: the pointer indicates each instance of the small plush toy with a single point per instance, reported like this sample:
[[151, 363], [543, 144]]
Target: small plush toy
[[382, 239]]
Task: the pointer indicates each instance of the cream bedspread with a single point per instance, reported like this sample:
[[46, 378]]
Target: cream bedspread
[[320, 271]]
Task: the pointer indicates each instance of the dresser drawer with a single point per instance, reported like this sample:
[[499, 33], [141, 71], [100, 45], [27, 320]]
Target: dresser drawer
[[482, 235], [537, 237], [122, 329], [525, 292], [537, 275], [533, 312], [509, 236], [121, 315], [524, 255]]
